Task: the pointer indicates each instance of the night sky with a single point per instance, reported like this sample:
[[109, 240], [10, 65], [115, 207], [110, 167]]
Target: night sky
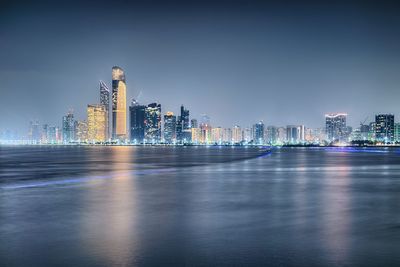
[[283, 62]]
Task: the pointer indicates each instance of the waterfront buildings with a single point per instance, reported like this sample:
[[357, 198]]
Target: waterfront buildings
[[68, 127], [137, 117], [170, 128], [96, 123], [335, 124], [153, 123], [118, 104], [384, 127]]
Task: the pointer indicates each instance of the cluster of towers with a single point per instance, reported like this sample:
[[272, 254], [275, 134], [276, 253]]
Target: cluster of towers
[[107, 122]]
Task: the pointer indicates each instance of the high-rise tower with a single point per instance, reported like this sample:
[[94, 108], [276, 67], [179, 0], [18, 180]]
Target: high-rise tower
[[118, 104], [335, 124], [105, 100]]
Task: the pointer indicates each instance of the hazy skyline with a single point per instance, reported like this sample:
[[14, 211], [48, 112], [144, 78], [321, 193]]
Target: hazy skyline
[[238, 62]]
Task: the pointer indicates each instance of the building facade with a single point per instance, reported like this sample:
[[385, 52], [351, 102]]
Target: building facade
[[137, 118], [118, 104], [96, 123], [68, 126], [153, 123], [384, 127], [105, 100], [335, 124], [258, 131], [169, 128]]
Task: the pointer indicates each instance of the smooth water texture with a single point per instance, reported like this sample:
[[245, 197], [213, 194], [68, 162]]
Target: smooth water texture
[[198, 206]]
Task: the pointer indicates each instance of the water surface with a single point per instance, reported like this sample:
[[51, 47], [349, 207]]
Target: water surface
[[197, 206]]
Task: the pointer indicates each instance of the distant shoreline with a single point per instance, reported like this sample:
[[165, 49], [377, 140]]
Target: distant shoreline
[[202, 145]]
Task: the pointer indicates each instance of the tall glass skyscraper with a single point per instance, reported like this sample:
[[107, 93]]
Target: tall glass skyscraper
[[169, 127], [137, 115], [68, 127], [258, 131], [153, 123], [384, 127], [105, 100], [118, 104]]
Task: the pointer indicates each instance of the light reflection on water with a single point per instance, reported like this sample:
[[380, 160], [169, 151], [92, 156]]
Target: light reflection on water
[[133, 206]]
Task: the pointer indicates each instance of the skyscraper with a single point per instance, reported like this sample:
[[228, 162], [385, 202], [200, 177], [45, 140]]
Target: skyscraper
[[384, 127], [68, 127], [137, 117], [153, 123], [258, 130], [118, 104], [169, 127], [295, 134], [335, 125], [96, 123], [183, 132], [105, 100]]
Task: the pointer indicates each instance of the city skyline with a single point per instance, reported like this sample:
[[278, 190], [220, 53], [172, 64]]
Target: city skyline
[[283, 64]]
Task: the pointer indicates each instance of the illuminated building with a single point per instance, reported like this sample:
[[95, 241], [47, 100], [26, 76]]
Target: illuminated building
[[335, 125], [118, 104], [96, 123], [34, 132], [295, 134], [227, 135], [205, 137], [52, 136], [258, 131], [105, 100], [281, 135], [68, 127], [384, 127], [137, 116], [183, 133], [169, 127], [44, 134], [247, 137], [153, 123], [81, 131], [196, 135], [216, 135], [236, 134], [271, 134], [397, 132]]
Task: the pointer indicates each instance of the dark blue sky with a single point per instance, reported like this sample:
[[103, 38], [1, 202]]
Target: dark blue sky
[[284, 62]]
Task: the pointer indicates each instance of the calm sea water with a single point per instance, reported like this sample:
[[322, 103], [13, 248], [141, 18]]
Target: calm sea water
[[188, 206]]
